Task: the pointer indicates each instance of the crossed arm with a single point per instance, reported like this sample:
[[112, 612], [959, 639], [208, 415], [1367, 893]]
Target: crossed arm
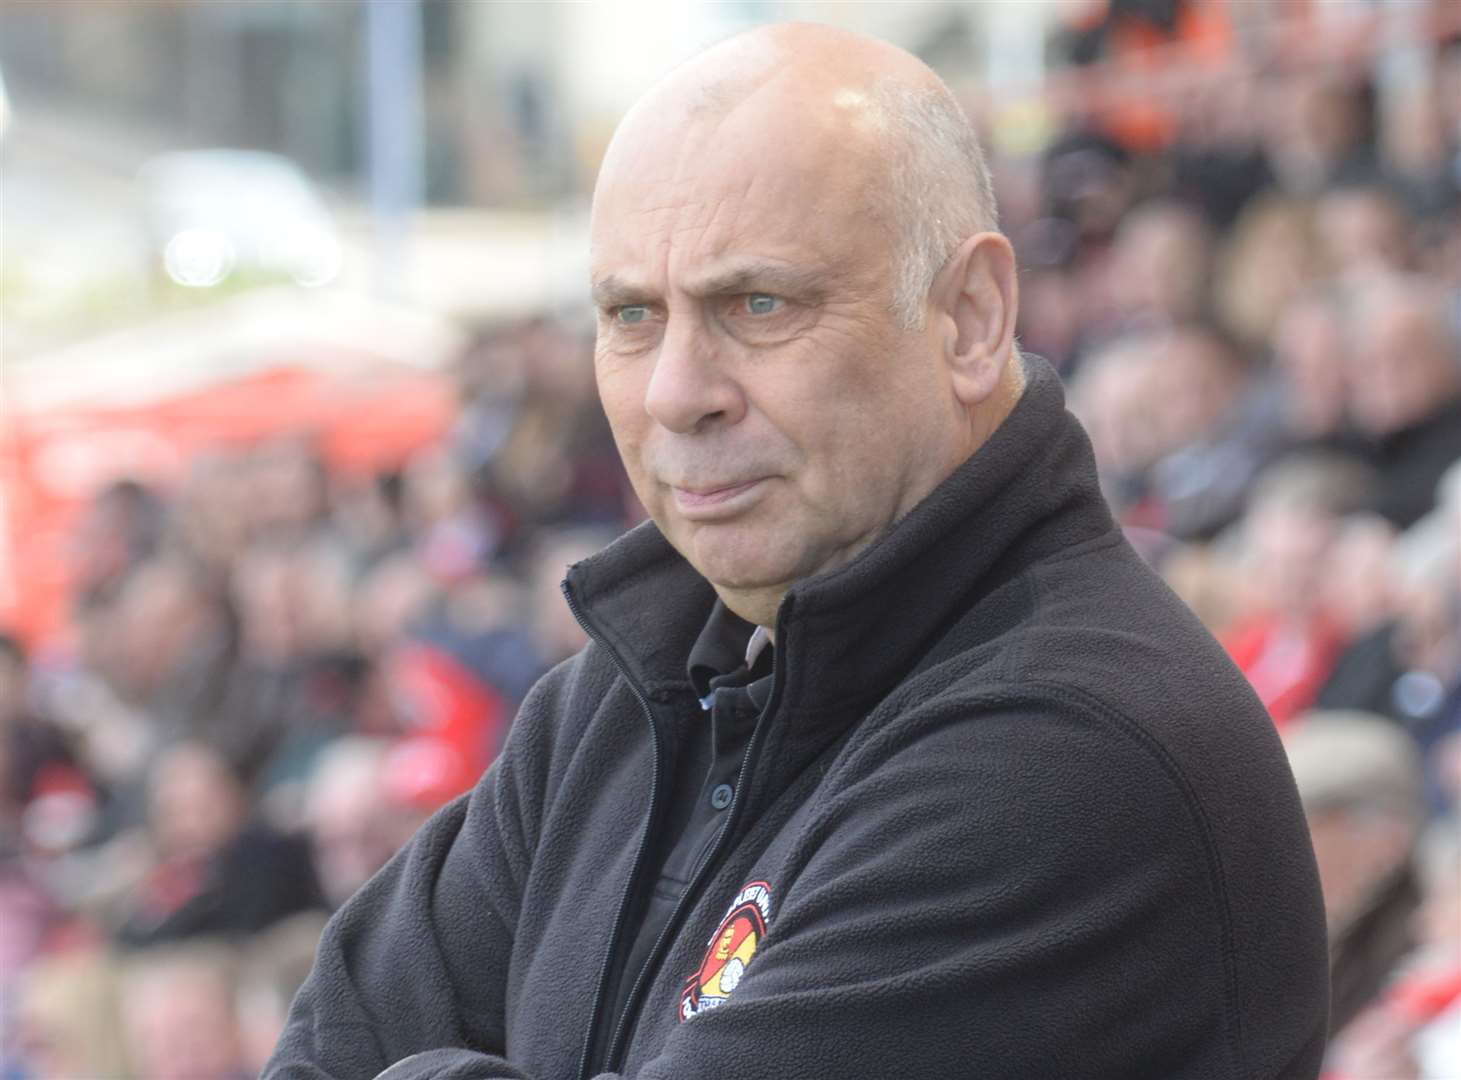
[[978, 905]]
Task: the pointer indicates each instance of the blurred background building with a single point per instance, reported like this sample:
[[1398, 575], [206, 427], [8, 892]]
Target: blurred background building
[[298, 431]]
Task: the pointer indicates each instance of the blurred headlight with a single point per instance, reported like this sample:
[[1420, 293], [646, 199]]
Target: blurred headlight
[[198, 258]]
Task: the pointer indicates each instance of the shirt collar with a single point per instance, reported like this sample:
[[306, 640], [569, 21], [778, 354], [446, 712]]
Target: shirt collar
[[729, 651], [760, 638]]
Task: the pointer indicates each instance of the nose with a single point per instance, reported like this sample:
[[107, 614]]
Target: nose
[[690, 389]]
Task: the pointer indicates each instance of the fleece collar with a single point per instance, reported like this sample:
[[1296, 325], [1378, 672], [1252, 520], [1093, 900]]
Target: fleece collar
[[846, 637]]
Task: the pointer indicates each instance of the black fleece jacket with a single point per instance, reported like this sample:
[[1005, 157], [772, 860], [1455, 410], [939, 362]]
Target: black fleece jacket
[[1008, 813]]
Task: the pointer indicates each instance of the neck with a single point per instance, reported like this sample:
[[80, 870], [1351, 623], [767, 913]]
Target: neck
[[988, 415], [756, 606]]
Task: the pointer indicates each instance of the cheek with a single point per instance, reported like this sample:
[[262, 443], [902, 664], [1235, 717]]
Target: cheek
[[621, 392], [851, 455], [622, 395]]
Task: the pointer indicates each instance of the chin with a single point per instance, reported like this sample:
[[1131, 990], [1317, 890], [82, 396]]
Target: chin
[[743, 559], [743, 575]]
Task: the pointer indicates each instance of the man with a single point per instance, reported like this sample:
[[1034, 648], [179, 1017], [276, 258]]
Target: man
[[1404, 390], [180, 1014], [1360, 781], [888, 757]]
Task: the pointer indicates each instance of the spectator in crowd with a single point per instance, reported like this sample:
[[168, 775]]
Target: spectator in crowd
[[1405, 665], [1404, 380], [1358, 590], [457, 534], [1145, 35], [1319, 128], [172, 646], [1363, 230], [294, 682], [289, 490], [1360, 782], [459, 675], [70, 1021], [1309, 345], [274, 966], [1271, 256], [1051, 322], [1218, 160], [453, 720], [28, 916], [179, 1014], [1415, 149], [1286, 641], [208, 520], [1427, 993], [1223, 427], [352, 822], [1413, 1031], [391, 598], [35, 757], [370, 514], [121, 527], [1113, 394], [1160, 265], [214, 871], [556, 463]]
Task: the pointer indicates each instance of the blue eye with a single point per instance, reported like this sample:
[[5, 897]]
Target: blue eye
[[762, 303], [632, 314]]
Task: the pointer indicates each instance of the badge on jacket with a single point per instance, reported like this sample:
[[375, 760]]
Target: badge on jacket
[[729, 951]]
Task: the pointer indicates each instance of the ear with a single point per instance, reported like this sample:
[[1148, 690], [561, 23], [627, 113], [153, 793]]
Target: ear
[[978, 297]]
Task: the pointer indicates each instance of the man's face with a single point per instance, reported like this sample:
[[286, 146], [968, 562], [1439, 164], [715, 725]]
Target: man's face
[[772, 415], [1397, 375]]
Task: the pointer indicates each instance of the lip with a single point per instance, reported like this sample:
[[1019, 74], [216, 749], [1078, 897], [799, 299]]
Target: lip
[[701, 503]]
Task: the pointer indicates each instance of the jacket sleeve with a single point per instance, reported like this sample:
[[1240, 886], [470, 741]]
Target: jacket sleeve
[[418, 958]]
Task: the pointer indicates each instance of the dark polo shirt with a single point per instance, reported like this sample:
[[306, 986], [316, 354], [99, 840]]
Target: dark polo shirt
[[704, 776]]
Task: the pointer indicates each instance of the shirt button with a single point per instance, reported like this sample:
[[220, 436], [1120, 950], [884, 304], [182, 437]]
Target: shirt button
[[721, 797]]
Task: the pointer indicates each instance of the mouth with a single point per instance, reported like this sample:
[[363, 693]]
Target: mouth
[[715, 501]]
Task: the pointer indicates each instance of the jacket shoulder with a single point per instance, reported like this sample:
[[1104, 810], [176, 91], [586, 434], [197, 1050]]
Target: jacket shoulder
[[1102, 678]]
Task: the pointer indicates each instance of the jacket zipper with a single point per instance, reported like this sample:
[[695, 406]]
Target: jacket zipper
[[585, 1061], [616, 1044]]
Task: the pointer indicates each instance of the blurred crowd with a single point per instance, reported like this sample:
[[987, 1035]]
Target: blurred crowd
[[276, 672], [1254, 295]]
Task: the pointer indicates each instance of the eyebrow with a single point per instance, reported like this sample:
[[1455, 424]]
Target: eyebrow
[[747, 275], [757, 275], [611, 291]]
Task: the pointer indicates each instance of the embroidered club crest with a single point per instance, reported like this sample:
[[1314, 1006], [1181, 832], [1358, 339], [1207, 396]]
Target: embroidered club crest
[[730, 949]]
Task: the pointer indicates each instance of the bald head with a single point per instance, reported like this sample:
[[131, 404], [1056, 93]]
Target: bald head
[[811, 56], [887, 127], [804, 323]]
